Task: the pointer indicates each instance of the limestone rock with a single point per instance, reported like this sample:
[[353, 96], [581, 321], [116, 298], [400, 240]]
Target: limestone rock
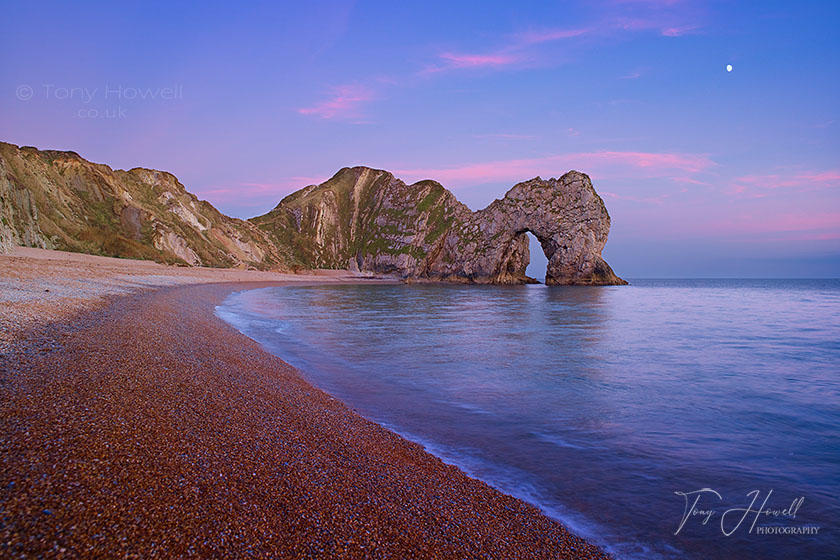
[[366, 219]]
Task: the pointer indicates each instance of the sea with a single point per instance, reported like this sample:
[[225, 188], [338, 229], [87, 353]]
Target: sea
[[690, 418]]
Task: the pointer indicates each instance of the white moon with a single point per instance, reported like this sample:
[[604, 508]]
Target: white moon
[[729, 68]]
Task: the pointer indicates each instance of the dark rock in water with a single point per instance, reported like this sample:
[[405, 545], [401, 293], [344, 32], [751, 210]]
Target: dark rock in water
[[368, 220]]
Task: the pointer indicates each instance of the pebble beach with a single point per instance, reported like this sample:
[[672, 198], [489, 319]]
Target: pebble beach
[[136, 424]]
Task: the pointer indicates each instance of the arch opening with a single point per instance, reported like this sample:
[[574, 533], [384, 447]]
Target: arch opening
[[538, 263]]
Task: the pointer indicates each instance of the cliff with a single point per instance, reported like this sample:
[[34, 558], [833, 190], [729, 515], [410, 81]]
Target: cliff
[[366, 219], [58, 200], [362, 219]]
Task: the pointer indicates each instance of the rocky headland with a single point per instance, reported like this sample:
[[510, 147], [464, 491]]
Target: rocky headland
[[361, 219]]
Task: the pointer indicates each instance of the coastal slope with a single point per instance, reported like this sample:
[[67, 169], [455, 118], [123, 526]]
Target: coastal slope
[[58, 200]]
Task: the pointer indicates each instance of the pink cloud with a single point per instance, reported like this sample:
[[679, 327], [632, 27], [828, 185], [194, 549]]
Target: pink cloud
[[345, 103], [678, 31], [594, 163], [668, 18], [460, 61], [693, 163], [818, 225], [256, 194], [653, 3], [506, 136], [632, 16], [659, 200], [505, 56], [828, 236], [828, 178], [477, 60], [543, 36], [656, 23], [636, 24], [759, 186], [689, 180], [799, 222]]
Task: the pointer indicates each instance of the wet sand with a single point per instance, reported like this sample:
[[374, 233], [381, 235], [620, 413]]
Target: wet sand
[[139, 425]]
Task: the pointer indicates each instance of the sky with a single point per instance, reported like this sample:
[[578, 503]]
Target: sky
[[705, 172]]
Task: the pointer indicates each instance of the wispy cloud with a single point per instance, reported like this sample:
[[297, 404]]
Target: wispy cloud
[[645, 164], [802, 222], [689, 180], [467, 61], [759, 186], [532, 37], [824, 178], [658, 200], [654, 23], [512, 54], [670, 18], [806, 226], [455, 60], [650, 3], [505, 136], [346, 102], [524, 48], [693, 163], [677, 31], [257, 194]]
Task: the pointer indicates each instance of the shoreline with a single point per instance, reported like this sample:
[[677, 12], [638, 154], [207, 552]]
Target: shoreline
[[146, 425], [38, 285]]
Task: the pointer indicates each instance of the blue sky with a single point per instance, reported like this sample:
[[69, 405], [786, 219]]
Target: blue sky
[[705, 172]]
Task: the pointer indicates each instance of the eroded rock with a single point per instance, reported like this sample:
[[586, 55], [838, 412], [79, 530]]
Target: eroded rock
[[368, 220]]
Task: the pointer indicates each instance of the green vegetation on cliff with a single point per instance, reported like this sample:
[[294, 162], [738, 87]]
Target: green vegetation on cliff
[[58, 200]]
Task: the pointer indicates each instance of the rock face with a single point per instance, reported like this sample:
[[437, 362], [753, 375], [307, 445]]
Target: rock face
[[566, 216], [57, 200], [368, 220], [362, 219]]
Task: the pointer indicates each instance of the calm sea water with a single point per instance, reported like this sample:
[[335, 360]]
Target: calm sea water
[[599, 404]]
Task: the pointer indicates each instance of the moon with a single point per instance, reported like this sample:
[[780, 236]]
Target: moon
[[729, 68]]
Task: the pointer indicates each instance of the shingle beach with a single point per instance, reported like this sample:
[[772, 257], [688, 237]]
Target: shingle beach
[[136, 424]]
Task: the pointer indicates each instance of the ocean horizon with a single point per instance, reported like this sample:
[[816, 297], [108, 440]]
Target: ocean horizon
[[649, 418]]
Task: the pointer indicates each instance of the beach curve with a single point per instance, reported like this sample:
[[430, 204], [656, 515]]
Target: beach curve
[[148, 427]]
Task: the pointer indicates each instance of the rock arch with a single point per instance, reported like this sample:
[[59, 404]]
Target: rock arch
[[566, 216], [368, 220]]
